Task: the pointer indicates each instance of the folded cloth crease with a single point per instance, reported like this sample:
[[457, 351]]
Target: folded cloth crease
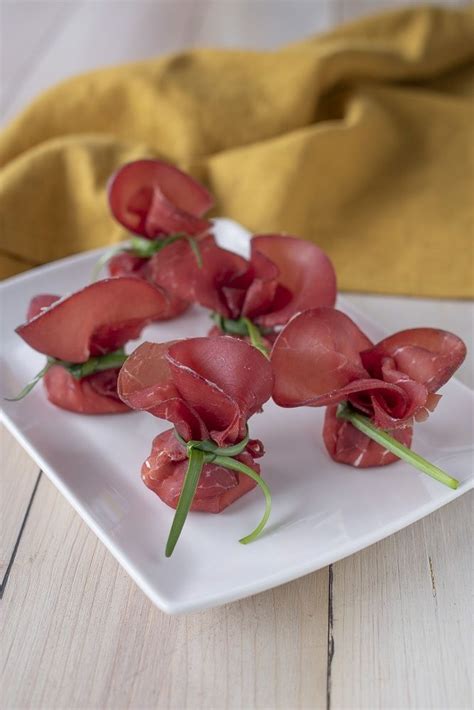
[[360, 140]]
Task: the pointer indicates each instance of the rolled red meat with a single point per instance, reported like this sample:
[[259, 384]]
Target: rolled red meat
[[208, 388], [284, 275], [153, 198], [322, 358], [97, 320]]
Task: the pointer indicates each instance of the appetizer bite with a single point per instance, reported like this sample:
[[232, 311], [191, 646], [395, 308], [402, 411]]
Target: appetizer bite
[[207, 388], [83, 336], [153, 199], [251, 298], [160, 205], [373, 393]]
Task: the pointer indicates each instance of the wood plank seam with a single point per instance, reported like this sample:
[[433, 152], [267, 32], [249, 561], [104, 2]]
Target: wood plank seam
[[18, 539], [433, 583], [330, 648]]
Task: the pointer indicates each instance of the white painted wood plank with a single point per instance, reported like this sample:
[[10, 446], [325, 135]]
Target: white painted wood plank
[[395, 647], [76, 632], [17, 481], [402, 618]]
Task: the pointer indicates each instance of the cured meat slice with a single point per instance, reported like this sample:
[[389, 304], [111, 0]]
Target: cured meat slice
[[346, 444], [145, 383], [262, 287], [315, 356], [218, 284], [97, 319], [208, 388], [306, 278], [39, 303], [283, 276], [83, 336], [164, 469], [322, 358], [153, 198], [426, 355], [126, 264], [95, 394]]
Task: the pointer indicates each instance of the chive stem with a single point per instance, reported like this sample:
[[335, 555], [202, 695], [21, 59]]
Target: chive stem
[[209, 452], [255, 337], [229, 325], [209, 446], [195, 249], [234, 465], [363, 424], [191, 480], [27, 388], [241, 326], [110, 361]]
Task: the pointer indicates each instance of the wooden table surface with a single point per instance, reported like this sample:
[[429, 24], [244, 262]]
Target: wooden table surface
[[389, 627]]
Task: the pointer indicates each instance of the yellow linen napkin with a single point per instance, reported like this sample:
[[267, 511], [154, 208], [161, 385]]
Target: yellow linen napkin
[[360, 140]]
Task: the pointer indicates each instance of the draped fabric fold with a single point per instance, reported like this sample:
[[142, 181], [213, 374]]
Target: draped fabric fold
[[360, 140]]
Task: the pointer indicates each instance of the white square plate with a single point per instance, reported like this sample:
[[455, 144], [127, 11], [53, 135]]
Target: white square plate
[[322, 511]]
